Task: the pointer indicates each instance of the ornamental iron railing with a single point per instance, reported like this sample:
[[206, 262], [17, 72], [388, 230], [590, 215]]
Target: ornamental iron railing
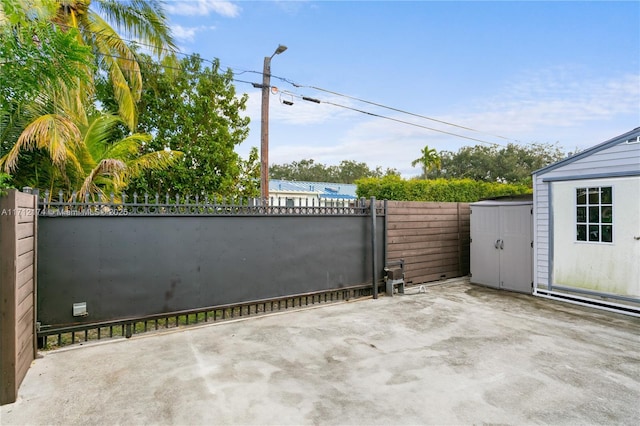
[[177, 205]]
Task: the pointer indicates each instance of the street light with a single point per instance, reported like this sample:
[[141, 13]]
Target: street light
[[264, 124]]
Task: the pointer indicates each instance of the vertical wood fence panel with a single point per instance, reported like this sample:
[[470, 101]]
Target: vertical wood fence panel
[[17, 290], [432, 238]]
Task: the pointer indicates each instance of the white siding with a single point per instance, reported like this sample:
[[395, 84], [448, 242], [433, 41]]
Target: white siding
[[540, 233], [618, 158], [622, 157], [611, 268]]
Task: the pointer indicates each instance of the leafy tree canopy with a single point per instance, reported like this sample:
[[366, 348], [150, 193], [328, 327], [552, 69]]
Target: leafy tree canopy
[[308, 170], [4, 183], [38, 62], [52, 135], [509, 164], [95, 21], [194, 109]]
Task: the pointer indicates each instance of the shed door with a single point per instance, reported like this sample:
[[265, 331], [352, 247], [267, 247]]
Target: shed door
[[485, 235], [516, 252]]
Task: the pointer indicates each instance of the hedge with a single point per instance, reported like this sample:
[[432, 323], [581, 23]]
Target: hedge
[[441, 190]]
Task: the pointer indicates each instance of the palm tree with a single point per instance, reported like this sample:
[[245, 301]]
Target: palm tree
[[54, 129], [40, 66], [88, 161], [108, 166], [429, 160], [53, 134], [141, 19]]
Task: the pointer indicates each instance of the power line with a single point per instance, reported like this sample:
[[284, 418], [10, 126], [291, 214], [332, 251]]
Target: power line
[[400, 110], [286, 80], [318, 101], [314, 100]]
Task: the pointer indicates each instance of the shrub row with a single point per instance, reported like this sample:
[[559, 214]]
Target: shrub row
[[441, 190]]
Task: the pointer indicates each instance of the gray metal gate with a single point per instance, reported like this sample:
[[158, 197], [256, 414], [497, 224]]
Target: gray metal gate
[[113, 261]]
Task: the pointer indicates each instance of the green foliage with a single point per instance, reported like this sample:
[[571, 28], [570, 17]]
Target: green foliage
[[430, 160], [38, 64], [441, 190], [249, 179], [510, 164], [95, 21], [5, 183], [51, 135], [308, 170], [195, 110], [56, 154], [34, 55]]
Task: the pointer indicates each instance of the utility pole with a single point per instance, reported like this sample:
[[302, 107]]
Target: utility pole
[[264, 125]]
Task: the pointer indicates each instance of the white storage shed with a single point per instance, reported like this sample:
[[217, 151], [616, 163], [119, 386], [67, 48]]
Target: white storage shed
[[502, 244], [587, 226]]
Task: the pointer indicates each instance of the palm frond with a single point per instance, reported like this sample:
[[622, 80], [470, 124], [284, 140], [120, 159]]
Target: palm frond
[[114, 169], [51, 132], [109, 43], [129, 147], [99, 134], [145, 20], [124, 96], [159, 160], [120, 63]]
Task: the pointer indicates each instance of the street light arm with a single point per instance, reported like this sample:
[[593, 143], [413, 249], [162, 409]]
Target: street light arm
[[281, 48]]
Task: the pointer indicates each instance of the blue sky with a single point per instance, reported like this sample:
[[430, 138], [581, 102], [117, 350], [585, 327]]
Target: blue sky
[[552, 72]]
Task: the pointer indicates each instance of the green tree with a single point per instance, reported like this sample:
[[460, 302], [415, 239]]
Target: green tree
[[90, 160], [193, 109], [429, 160], [303, 170], [47, 135], [347, 171], [510, 164], [141, 19], [249, 178], [4, 183], [38, 65], [108, 165]]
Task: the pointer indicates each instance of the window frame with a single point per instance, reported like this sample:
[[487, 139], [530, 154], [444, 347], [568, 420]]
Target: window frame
[[590, 214]]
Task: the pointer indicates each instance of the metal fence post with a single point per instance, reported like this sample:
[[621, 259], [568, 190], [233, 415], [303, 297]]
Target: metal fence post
[[374, 248], [384, 234]]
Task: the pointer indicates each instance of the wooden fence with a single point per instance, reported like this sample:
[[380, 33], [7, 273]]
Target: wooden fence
[[17, 290], [432, 238]]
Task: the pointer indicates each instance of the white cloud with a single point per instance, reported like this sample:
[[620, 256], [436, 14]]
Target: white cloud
[[202, 8], [558, 99], [188, 34]]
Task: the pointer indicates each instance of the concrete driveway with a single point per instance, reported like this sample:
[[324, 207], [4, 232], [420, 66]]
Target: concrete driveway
[[457, 354]]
